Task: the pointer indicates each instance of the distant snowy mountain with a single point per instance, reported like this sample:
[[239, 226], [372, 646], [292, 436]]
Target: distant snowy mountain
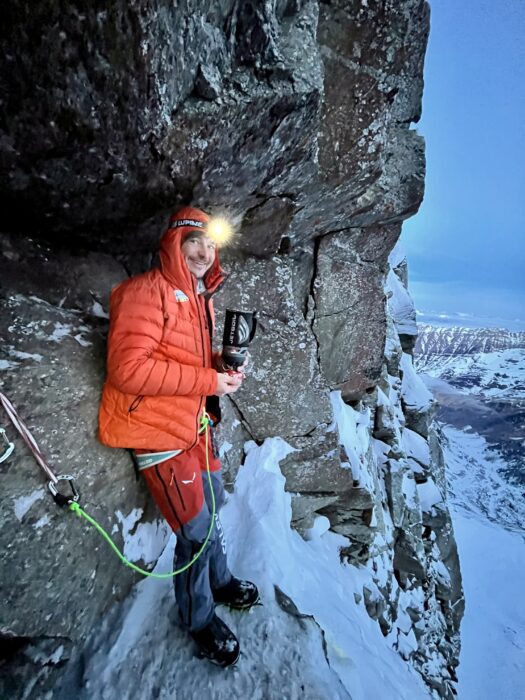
[[451, 341], [477, 483], [478, 379]]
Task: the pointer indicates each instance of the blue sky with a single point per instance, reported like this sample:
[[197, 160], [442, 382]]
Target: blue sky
[[465, 246]]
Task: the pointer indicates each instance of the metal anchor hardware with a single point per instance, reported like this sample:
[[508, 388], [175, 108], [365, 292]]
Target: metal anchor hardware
[[8, 445]]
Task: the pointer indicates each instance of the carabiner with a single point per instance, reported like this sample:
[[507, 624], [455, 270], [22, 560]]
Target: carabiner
[[8, 446], [60, 498]]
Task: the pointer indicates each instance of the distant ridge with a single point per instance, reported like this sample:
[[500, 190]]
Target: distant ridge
[[452, 341]]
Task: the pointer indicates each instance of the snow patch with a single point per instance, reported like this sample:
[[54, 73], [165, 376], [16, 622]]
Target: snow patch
[[400, 305], [24, 355], [224, 448], [98, 310], [147, 540], [60, 332], [5, 365], [429, 495], [82, 341], [354, 434], [416, 447], [493, 628], [42, 522], [408, 486], [24, 503], [415, 394], [320, 526]]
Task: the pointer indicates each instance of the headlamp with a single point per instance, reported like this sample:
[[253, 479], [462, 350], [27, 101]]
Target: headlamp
[[219, 230]]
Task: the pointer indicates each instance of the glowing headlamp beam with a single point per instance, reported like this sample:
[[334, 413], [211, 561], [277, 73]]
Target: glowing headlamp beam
[[219, 230]]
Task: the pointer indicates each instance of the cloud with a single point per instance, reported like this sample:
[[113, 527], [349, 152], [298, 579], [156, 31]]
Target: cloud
[[461, 300]]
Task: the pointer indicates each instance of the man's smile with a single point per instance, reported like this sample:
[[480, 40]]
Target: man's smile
[[199, 254]]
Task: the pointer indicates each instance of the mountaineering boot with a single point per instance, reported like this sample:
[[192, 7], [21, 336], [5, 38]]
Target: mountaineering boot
[[217, 643], [238, 594]]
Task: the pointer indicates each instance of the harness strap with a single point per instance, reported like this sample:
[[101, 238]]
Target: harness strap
[[149, 459]]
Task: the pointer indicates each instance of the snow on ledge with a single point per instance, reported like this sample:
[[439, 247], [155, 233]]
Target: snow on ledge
[[413, 391], [148, 539]]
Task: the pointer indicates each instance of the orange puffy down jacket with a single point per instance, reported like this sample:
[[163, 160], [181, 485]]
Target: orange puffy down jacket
[[159, 368]]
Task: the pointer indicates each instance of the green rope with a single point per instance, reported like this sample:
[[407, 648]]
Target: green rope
[[82, 513]]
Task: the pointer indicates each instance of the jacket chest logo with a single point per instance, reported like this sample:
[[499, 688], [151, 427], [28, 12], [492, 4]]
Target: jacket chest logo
[[179, 295]]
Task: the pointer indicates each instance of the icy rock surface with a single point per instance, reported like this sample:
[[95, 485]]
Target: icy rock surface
[[56, 576]]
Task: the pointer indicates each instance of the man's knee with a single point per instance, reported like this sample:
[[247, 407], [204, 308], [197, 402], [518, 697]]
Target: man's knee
[[196, 530], [218, 491]]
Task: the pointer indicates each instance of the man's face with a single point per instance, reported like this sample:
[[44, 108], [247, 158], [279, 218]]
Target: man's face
[[199, 254]]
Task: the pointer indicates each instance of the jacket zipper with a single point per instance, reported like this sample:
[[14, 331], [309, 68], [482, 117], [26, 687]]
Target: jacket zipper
[[135, 403], [174, 481], [199, 313], [209, 324], [167, 494]]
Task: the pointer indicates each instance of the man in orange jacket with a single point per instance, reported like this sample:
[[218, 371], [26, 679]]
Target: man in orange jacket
[[161, 376]]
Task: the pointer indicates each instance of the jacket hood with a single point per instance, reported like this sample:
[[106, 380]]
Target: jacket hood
[[172, 263]]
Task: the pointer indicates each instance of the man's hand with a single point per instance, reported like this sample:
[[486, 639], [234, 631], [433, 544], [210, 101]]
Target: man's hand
[[228, 384]]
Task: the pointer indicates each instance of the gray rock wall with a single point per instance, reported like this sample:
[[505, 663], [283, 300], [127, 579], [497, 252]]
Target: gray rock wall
[[57, 576], [293, 117]]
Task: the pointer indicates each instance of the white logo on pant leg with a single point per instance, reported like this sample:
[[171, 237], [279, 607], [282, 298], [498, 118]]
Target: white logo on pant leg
[[189, 481], [222, 539]]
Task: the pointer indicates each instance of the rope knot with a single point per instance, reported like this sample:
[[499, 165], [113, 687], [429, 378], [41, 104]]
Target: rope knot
[[204, 421]]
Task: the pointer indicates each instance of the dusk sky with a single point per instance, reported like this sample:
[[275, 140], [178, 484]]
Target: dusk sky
[[465, 247]]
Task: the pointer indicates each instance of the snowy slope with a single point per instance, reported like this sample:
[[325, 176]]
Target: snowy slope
[[477, 484], [312, 641], [489, 523], [493, 628], [498, 374], [480, 390], [483, 390]]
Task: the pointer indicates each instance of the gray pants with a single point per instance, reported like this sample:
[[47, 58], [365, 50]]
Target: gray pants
[[193, 588]]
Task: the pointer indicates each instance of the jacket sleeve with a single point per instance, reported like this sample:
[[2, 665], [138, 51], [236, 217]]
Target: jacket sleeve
[[136, 327]]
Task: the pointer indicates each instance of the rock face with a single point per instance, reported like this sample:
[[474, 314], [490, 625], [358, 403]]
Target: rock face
[[123, 109], [294, 118], [56, 578]]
